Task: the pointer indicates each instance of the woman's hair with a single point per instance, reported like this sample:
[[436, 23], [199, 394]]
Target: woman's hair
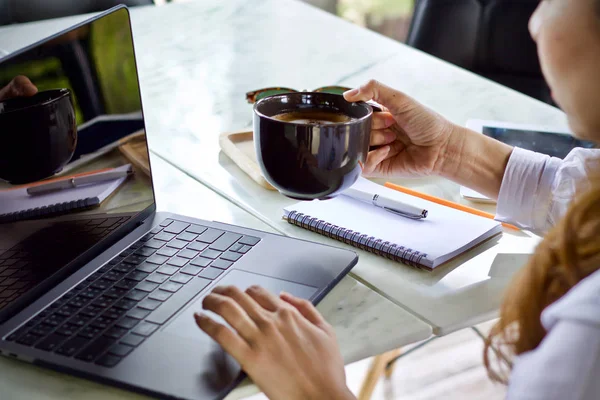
[[569, 253]]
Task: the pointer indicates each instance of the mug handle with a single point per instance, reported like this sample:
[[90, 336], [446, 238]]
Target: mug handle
[[376, 108]]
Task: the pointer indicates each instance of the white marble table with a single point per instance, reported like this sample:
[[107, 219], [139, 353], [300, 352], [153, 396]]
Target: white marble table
[[198, 59], [366, 324], [195, 77]]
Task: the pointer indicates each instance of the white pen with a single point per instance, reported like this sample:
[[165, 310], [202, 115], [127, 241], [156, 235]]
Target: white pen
[[75, 182], [394, 206]]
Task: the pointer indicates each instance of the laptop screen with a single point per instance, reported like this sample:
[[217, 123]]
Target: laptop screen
[[74, 165]]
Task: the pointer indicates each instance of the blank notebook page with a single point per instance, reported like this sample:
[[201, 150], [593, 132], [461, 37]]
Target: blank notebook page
[[445, 232], [15, 200]]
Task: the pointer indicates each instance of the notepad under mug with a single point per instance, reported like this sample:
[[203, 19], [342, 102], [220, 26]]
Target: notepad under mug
[[426, 243]]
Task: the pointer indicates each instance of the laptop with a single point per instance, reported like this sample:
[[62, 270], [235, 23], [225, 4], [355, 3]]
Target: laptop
[[106, 290]]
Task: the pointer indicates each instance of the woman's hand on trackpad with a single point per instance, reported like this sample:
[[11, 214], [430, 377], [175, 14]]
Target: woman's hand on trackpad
[[282, 343]]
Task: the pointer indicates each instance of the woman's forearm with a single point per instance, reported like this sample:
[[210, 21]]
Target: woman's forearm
[[476, 161]]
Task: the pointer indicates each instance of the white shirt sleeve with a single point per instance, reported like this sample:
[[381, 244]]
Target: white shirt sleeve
[[536, 189]]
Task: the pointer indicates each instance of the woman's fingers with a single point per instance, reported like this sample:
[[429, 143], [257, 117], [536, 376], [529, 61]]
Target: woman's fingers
[[374, 158], [305, 308], [382, 120], [382, 137], [243, 299], [395, 101], [263, 297], [22, 86], [233, 313], [229, 340]]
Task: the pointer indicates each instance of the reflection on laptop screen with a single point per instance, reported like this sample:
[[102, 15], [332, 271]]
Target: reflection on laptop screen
[[74, 162]]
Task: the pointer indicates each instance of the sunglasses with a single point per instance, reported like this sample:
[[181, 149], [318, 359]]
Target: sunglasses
[[256, 95]]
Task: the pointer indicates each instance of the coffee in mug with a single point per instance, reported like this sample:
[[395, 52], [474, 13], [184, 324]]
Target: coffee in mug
[[314, 117]]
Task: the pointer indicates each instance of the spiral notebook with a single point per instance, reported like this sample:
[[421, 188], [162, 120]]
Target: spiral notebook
[[16, 204], [425, 244]]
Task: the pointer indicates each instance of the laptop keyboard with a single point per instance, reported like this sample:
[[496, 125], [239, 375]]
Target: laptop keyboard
[[26, 265], [109, 314]]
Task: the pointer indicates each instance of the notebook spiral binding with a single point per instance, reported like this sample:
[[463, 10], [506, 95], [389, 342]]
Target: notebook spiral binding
[[369, 243], [50, 211]]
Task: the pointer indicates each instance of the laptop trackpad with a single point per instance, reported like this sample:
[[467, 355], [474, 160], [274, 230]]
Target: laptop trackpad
[[185, 325]]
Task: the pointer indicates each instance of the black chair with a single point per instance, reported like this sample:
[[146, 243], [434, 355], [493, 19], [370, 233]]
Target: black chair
[[488, 37]]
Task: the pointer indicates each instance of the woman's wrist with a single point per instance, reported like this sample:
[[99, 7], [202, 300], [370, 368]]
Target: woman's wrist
[[330, 390], [475, 160], [451, 154], [342, 394]]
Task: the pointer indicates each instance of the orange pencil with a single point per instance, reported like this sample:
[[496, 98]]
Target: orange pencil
[[445, 202], [61, 178]]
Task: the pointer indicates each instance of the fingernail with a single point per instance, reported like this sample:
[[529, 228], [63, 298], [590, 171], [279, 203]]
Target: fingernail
[[352, 92], [390, 136]]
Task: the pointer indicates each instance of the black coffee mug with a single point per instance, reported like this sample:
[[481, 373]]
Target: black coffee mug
[[38, 135], [309, 160]]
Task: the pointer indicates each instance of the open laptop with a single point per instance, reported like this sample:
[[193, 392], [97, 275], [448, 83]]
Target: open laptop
[[107, 291]]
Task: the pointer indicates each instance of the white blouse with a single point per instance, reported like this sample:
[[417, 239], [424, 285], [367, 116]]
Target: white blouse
[[535, 193]]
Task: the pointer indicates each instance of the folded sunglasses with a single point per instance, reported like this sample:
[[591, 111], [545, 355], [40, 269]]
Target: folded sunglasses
[[256, 95]]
